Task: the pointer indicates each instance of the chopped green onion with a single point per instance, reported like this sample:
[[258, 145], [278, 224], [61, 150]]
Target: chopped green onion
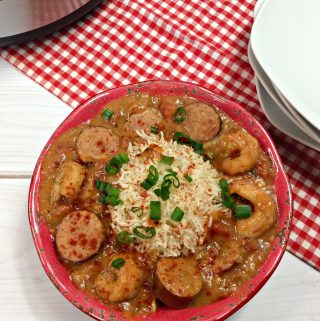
[[124, 157], [118, 263], [177, 214], [242, 211], [183, 139], [173, 178], [154, 129], [151, 179], [107, 114], [197, 147], [114, 165], [138, 210], [98, 183], [111, 190], [164, 193], [157, 192], [102, 186], [145, 185], [188, 178], [167, 160], [180, 115], [125, 237], [227, 200], [144, 232], [224, 184], [102, 198], [112, 200], [155, 210]]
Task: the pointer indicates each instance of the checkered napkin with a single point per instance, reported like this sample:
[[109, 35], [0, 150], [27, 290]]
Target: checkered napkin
[[205, 42]]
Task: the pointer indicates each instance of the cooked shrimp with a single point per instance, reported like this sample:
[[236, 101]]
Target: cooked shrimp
[[264, 208], [235, 152], [116, 285]]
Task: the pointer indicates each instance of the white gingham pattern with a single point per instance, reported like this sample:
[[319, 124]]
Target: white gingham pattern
[[204, 42]]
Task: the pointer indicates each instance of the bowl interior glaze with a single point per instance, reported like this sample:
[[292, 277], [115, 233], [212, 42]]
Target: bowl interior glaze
[[217, 311]]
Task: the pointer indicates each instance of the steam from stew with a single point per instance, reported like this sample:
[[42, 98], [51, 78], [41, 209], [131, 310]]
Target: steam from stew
[[159, 200]]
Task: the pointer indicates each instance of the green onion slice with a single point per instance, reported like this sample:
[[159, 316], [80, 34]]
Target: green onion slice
[[118, 263], [175, 180], [138, 210], [124, 158], [224, 184], [112, 200], [155, 210], [184, 139], [111, 190], [144, 232], [107, 114], [188, 178], [154, 129], [180, 115], [125, 237], [98, 183], [177, 214], [167, 160], [114, 165], [102, 186], [242, 211], [227, 200], [151, 179]]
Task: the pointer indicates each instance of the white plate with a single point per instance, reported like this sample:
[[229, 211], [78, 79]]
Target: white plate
[[282, 104], [285, 40], [280, 120]]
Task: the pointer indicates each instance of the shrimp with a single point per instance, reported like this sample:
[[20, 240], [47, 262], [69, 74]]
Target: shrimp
[[235, 152], [264, 208], [116, 285]]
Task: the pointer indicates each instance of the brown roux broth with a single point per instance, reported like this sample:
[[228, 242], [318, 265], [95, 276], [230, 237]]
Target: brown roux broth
[[83, 274]]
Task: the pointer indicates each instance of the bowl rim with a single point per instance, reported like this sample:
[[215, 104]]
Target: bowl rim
[[222, 308]]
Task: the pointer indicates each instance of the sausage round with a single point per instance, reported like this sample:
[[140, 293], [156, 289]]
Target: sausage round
[[178, 281], [116, 285], [97, 143], [202, 122], [146, 119], [79, 236]]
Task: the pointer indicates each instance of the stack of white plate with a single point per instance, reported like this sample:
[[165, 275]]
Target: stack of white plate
[[284, 51]]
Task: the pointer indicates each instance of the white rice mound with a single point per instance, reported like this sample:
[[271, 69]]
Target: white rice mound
[[198, 199]]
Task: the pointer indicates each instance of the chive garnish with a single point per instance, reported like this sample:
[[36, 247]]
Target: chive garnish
[[118, 263]]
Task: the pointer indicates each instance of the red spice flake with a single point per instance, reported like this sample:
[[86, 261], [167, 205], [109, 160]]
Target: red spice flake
[[83, 242], [93, 243], [72, 242], [72, 229], [81, 235], [144, 194], [78, 215], [101, 146], [80, 256], [209, 190], [87, 217], [126, 290]]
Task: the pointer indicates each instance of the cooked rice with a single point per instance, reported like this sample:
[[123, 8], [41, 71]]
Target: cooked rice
[[198, 199]]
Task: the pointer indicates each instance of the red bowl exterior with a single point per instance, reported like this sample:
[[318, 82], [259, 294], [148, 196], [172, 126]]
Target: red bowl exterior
[[220, 310]]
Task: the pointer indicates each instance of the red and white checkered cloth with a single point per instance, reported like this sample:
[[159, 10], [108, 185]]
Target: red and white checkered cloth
[[205, 42]]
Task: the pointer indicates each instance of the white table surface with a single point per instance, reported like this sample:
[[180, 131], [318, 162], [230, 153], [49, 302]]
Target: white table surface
[[28, 116]]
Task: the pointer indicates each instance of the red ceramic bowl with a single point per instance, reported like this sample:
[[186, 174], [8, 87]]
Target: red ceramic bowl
[[217, 311]]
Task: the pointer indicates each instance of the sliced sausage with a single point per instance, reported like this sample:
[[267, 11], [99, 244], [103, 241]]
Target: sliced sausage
[[116, 285], [202, 122], [146, 119], [178, 281], [97, 143], [79, 236]]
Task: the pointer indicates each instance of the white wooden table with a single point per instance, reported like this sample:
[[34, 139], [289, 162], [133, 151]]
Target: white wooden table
[[28, 116]]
